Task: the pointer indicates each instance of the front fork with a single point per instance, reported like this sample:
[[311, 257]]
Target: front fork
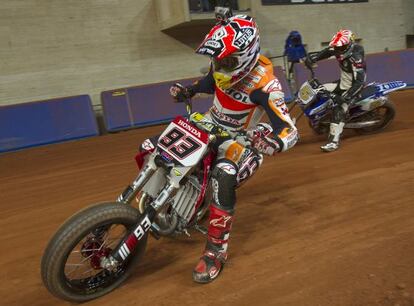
[[127, 246], [131, 191], [143, 225]]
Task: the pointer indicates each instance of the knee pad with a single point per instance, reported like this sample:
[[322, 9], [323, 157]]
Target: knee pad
[[224, 184], [248, 166], [339, 113]]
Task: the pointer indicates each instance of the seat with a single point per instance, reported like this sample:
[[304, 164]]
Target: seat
[[367, 92]]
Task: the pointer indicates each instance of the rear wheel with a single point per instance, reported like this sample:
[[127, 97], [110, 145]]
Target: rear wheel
[[383, 115], [71, 267]]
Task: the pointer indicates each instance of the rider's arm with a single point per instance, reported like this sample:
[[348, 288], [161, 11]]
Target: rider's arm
[[359, 73], [323, 54], [271, 98], [204, 85]]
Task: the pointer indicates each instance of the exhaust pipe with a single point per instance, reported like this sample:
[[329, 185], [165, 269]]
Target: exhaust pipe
[[358, 125]]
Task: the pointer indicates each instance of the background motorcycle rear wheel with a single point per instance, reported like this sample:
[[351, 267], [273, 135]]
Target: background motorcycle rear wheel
[[385, 113], [89, 229]]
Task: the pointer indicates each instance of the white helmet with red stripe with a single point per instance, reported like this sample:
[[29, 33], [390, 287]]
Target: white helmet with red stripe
[[233, 46], [343, 43]]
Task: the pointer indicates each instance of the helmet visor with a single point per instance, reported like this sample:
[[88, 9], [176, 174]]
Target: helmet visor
[[341, 49], [228, 64]]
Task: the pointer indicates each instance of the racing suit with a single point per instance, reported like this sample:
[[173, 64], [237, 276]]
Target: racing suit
[[347, 88], [239, 108]]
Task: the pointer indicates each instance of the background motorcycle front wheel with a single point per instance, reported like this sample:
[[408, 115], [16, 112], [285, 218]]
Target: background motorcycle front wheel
[[320, 129], [71, 262]]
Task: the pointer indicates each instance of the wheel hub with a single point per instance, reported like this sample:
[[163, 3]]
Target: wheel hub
[[93, 250], [96, 258]]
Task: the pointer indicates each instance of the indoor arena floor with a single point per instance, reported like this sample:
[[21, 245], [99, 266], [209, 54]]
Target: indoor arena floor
[[310, 228]]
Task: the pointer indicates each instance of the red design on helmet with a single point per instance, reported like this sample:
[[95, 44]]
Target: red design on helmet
[[233, 47], [343, 43]]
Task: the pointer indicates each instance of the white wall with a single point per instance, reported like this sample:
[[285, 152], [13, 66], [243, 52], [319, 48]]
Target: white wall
[[53, 48], [380, 23], [408, 7]]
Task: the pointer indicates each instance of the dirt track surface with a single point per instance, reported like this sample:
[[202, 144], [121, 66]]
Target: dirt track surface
[[310, 229]]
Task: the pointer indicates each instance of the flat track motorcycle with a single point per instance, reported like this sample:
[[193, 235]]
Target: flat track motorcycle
[[96, 249], [370, 113]]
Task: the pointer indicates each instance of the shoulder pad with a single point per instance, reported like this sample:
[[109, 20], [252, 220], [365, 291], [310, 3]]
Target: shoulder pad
[[263, 69], [357, 57], [264, 60], [358, 53]]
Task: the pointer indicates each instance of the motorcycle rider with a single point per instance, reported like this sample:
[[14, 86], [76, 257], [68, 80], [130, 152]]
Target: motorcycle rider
[[244, 88], [351, 59]]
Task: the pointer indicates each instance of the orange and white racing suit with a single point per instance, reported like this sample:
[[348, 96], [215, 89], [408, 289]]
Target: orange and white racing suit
[[242, 106]]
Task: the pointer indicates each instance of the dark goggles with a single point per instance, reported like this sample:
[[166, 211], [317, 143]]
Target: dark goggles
[[227, 64], [341, 49]]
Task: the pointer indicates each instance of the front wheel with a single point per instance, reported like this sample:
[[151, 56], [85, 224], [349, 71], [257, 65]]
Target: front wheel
[[71, 262], [383, 115]]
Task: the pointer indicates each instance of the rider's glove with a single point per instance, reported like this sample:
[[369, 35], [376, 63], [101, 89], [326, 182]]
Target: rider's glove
[[262, 140], [180, 93], [311, 59]]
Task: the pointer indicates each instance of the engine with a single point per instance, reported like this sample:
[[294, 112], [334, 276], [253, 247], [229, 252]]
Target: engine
[[174, 216], [185, 199]]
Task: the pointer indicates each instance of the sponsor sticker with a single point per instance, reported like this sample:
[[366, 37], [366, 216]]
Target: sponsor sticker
[[212, 44]]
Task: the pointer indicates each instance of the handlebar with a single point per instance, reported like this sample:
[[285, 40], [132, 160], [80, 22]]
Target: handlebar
[[188, 106], [310, 64], [311, 70], [213, 129]]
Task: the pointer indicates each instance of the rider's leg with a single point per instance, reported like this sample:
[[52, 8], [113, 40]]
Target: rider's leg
[[336, 127], [220, 222], [234, 165], [337, 124]]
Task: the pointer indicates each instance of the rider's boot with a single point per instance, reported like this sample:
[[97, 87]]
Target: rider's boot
[[215, 254], [335, 132]]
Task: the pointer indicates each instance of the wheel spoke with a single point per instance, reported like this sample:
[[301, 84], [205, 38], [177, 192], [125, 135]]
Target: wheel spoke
[[88, 271], [86, 250], [82, 269], [75, 264]]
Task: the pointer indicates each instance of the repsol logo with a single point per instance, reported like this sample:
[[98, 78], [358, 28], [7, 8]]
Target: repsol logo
[[237, 95], [189, 128]]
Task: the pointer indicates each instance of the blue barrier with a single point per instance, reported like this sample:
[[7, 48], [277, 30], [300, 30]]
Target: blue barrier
[[145, 105], [43, 122], [152, 104], [381, 67]]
